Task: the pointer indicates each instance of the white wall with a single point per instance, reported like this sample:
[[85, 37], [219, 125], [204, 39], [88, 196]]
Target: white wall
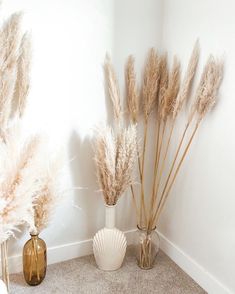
[[199, 217], [66, 100], [70, 40]]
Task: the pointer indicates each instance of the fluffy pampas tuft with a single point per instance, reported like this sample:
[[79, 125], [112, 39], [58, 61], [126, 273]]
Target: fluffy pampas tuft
[[115, 159], [46, 198], [19, 169]]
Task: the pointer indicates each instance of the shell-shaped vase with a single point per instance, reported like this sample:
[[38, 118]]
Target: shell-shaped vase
[[109, 247]]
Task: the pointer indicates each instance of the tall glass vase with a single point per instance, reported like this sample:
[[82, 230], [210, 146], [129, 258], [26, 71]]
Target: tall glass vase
[[34, 260], [109, 244], [147, 244], [4, 261]]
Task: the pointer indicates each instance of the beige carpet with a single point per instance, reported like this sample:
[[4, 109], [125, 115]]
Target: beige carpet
[[81, 276]]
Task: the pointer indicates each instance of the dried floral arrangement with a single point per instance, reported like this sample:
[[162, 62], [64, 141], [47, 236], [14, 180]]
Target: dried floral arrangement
[[162, 97], [115, 149], [17, 157], [27, 190], [115, 158], [45, 198]]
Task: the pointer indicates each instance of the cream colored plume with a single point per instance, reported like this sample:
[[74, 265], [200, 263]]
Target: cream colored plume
[[163, 85], [19, 169], [132, 92], [115, 159], [113, 88], [172, 90], [207, 91], [187, 82], [151, 82], [23, 72], [9, 47], [46, 198]]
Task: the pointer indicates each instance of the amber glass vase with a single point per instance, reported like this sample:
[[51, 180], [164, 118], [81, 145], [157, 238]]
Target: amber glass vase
[[34, 260], [147, 247]]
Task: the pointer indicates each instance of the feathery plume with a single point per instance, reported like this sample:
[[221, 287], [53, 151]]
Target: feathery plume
[[163, 85], [18, 174], [45, 199], [151, 82], [132, 93], [9, 45], [188, 79], [105, 158], [23, 71], [115, 159], [125, 159], [113, 88], [208, 87], [172, 90]]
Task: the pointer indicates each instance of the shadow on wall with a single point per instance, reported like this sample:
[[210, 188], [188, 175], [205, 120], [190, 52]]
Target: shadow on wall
[[86, 194]]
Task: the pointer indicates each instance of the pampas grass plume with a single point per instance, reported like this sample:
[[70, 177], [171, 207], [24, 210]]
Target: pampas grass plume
[[115, 159], [151, 82], [132, 93], [9, 46], [113, 88], [188, 79], [23, 72]]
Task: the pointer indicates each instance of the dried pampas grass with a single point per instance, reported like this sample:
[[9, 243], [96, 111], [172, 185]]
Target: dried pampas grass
[[151, 82], [18, 173], [113, 88], [46, 198], [207, 90], [9, 46], [171, 91], [23, 71], [115, 159], [206, 95], [18, 162], [164, 89], [188, 79], [163, 85], [132, 92]]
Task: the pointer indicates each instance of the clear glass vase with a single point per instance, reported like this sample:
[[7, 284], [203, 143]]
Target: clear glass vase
[[147, 245], [34, 260]]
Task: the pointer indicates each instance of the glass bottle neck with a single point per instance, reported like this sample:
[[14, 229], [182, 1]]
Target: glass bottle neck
[[34, 236]]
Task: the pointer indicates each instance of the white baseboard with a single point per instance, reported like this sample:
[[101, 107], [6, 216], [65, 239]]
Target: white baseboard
[[63, 252], [208, 282]]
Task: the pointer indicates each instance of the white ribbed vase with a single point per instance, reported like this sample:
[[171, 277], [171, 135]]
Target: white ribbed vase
[[109, 244]]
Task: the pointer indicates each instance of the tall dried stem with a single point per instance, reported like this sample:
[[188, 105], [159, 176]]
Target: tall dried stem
[[206, 97], [150, 91], [132, 98], [183, 94], [165, 196], [143, 211]]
